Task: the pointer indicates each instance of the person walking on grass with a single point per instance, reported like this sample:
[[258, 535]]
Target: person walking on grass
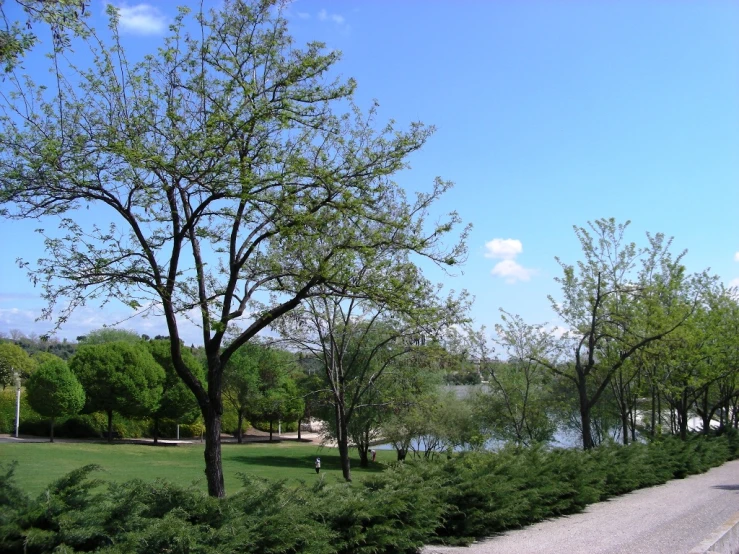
[[318, 465]]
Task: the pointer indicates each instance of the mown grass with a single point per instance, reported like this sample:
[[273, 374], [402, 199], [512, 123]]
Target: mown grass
[[41, 463]]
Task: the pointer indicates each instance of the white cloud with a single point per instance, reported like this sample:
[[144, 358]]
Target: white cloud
[[734, 283], [303, 15], [324, 15], [557, 331], [508, 268], [506, 249], [736, 257], [141, 19], [512, 271]]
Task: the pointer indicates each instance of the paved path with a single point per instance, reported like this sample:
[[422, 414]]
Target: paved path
[[671, 519]]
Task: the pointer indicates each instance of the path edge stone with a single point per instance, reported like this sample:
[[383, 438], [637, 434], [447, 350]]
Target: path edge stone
[[724, 539]]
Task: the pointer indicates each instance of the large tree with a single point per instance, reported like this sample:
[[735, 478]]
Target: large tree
[[236, 174], [109, 334]]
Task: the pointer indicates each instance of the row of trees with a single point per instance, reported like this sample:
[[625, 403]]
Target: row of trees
[[116, 371], [639, 341], [133, 378]]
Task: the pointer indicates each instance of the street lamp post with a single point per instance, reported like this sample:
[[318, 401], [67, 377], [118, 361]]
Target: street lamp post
[[17, 376]]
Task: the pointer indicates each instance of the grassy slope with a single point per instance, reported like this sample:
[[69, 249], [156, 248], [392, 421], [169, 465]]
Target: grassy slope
[[41, 463]]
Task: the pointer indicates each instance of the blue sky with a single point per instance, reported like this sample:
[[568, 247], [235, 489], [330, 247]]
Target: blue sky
[[548, 114]]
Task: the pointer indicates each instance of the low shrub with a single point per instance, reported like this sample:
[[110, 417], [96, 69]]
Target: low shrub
[[453, 501]]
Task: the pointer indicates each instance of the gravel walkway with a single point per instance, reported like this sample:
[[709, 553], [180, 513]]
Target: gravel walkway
[[670, 519]]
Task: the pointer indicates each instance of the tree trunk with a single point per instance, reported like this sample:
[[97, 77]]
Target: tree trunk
[[343, 442], [213, 466], [110, 425], [239, 429], [682, 420], [402, 453], [706, 415], [51, 431], [363, 457], [624, 425], [346, 469], [270, 430], [363, 446], [156, 430], [300, 422], [653, 430], [587, 432]]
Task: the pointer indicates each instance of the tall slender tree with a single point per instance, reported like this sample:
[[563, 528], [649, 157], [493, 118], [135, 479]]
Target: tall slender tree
[[358, 335]]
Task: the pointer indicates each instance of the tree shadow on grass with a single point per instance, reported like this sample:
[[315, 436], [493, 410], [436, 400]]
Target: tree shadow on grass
[[328, 462]]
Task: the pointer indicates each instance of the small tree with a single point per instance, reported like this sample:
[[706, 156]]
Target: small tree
[[518, 403], [241, 384], [118, 376], [259, 384], [54, 391], [312, 388], [357, 339], [280, 400]]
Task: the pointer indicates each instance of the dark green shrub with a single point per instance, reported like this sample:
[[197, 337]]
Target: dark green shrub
[[454, 500], [396, 511]]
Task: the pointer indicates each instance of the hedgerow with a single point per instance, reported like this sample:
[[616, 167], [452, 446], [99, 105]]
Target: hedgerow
[[453, 501]]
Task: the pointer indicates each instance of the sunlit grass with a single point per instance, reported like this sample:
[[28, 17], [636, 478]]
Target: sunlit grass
[[41, 463]]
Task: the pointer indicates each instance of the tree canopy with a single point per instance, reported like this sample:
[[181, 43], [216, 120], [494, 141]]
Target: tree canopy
[[54, 391], [118, 376], [14, 359]]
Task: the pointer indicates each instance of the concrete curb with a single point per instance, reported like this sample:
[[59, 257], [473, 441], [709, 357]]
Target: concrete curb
[[724, 540]]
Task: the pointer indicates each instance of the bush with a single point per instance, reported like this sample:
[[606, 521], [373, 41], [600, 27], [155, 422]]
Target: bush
[[454, 500], [287, 426], [168, 429], [487, 493]]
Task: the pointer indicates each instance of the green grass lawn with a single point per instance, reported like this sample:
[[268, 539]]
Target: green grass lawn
[[41, 463]]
